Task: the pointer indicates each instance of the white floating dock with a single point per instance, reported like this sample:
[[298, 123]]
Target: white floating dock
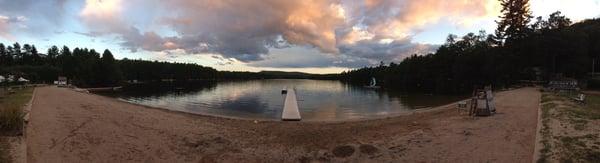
[[290, 107]]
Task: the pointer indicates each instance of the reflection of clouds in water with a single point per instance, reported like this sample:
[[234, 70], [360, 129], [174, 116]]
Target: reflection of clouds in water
[[318, 100], [247, 103]]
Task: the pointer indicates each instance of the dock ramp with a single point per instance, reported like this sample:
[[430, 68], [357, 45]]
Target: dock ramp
[[290, 107]]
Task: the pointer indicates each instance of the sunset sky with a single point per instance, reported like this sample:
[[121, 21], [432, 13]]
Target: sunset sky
[[317, 36]]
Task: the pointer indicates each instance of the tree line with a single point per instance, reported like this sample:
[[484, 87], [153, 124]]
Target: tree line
[[85, 67], [88, 68], [520, 49]]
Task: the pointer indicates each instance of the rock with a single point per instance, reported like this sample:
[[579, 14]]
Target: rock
[[324, 155], [368, 149], [467, 133], [304, 159], [343, 151]]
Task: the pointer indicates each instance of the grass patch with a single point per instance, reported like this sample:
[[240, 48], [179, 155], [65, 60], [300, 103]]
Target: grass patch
[[592, 106], [576, 148], [11, 111], [545, 130], [11, 117], [571, 146], [546, 98]]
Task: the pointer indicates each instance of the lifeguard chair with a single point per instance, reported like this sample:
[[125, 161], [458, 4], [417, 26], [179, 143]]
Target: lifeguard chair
[[482, 102]]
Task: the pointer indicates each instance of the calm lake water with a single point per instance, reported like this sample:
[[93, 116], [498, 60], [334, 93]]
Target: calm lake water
[[318, 100]]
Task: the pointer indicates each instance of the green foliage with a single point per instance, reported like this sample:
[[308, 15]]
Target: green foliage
[[154, 71], [87, 68], [460, 64], [594, 83]]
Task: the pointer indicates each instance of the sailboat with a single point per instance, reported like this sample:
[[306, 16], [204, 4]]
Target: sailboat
[[373, 84]]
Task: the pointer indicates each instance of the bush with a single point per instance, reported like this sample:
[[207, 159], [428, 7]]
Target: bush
[[11, 120], [11, 111], [594, 83]]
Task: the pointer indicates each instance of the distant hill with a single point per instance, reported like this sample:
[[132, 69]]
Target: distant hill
[[285, 73], [295, 75]]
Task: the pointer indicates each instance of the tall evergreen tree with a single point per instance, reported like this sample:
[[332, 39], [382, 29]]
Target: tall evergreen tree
[[26, 56], [65, 51], [35, 57], [513, 21], [16, 52], [9, 55], [3, 55], [111, 74]]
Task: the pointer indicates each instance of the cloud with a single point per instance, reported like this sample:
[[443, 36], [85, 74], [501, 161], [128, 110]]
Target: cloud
[[398, 19], [4, 26], [48, 15], [8, 23], [345, 31], [393, 51], [298, 57], [237, 29]]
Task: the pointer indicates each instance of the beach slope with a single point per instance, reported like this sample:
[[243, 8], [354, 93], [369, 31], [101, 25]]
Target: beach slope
[[68, 126]]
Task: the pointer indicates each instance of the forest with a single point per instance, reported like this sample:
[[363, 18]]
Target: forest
[[520, 50], [88, 68]]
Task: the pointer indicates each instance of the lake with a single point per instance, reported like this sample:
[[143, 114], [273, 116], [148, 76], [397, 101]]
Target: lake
[[318, 100]]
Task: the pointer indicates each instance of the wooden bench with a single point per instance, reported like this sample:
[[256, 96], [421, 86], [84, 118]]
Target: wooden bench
[[579, 99]]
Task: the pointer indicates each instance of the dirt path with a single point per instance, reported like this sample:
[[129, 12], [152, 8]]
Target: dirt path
[[68, 126]]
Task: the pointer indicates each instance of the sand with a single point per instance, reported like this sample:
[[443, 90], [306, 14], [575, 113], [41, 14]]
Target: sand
[[69, 126]]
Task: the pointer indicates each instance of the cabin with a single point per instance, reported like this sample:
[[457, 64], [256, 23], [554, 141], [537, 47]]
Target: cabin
[[62, 81]]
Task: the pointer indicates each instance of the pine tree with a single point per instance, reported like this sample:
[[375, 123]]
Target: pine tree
[[53, 52], [3, 55], [16, 52], [35, 56], [513, 22], [112, 74]]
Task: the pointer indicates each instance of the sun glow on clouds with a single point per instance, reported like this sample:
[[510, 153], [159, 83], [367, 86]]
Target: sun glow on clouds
[[281, 34], [396, 20], [357, 33], [9, 23], [4, 27], [101, 8]]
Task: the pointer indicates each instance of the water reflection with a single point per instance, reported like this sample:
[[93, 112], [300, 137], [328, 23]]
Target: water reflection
[[317, 99]]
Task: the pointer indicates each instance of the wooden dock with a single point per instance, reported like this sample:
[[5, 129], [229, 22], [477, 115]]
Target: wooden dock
[[290, 107]]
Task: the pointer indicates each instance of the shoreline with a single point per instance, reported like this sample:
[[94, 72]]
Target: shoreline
[[395, 115], [70, 127]]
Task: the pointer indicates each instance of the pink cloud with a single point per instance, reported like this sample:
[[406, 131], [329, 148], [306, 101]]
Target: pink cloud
[[246, 30]]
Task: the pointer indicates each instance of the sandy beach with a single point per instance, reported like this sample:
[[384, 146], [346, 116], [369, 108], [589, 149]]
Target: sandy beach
[[69, 126]]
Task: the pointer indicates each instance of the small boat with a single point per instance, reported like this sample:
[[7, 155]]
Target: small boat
[[284, 90], [373, 84]]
